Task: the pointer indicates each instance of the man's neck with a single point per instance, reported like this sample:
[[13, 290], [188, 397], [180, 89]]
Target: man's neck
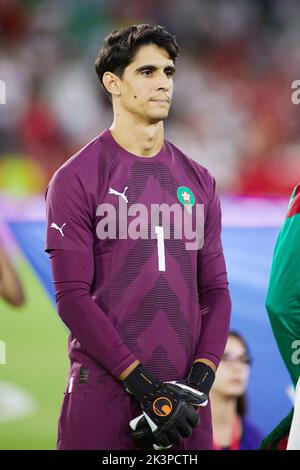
[[143, 140]]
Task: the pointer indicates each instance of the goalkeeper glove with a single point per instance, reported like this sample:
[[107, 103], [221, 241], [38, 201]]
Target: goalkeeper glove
[[198, 384], [194, 390], [142, 435], [169, 416]]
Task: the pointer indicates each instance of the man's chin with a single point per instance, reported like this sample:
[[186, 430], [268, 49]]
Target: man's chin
[[158, 117]]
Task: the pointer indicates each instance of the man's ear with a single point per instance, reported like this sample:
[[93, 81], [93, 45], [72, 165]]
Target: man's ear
[[112, 83]]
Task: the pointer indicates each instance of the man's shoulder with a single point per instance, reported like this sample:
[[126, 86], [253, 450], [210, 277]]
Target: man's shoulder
[[190, 162], [86, 164]]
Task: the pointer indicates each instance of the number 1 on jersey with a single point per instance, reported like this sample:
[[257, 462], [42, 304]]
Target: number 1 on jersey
[[160, 248]]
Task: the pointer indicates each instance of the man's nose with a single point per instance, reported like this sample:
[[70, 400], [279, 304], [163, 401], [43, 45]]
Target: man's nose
[[163, 82]]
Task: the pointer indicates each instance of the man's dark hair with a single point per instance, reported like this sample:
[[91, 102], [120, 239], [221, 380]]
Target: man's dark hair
[[121, 46]]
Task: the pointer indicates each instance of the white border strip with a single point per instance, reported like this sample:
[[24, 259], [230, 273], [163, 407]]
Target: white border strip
[[294, 436]]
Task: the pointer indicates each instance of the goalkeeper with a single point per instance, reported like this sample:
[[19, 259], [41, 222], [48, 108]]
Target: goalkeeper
[[143, 310]]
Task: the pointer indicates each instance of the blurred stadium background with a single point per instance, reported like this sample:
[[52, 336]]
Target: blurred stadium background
[[232, 112]]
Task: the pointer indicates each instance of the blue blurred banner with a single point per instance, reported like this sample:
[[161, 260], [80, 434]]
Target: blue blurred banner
[[31, 239], [248, 254]]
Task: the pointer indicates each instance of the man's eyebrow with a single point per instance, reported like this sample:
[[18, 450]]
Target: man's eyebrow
[[169, 68]]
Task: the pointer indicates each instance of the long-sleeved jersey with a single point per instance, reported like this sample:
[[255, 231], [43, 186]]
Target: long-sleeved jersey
[[129, 282]]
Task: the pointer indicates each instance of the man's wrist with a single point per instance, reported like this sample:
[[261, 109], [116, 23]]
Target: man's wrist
[[140, 382], [129, 369], [207, 362], [201, 376]]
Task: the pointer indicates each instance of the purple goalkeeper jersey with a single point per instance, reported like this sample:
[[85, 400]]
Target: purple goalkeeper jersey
[[166, 304]]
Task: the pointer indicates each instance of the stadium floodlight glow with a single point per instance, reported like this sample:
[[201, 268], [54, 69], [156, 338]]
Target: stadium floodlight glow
[[2, 353], [2, 92]]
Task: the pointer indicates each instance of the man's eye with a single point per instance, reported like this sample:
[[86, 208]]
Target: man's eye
[[169, 73], [147, 73]]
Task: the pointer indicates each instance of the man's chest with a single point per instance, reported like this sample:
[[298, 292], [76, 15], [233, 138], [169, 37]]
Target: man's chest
[[151, 200]]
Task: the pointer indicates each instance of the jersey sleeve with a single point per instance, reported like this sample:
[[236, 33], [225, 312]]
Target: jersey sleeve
[[73, 276], [69, 215], [283, 296], [70, 242], [213, 289]]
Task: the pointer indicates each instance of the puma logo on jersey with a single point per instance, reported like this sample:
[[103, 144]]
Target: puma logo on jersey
[[58, 228], [113, 191]]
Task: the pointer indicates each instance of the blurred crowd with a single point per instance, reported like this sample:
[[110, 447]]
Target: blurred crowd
[[232, 108]]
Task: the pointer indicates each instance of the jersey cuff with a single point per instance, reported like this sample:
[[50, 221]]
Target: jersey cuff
[[117, 371]]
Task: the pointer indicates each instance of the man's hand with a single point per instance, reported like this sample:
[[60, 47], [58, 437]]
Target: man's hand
[[190, 393], [201, 377], [168, 415], [194, 391], [198, 384], [142, 435]]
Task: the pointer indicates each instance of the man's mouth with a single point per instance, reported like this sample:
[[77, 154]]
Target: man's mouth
[[161, 100]]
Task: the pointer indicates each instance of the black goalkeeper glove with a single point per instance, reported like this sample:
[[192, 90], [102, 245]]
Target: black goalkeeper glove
[[199, 383], [142, 435], [168, 415], [194, 390]]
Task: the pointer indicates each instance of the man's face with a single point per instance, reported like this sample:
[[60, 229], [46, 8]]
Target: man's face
[[147, 84]]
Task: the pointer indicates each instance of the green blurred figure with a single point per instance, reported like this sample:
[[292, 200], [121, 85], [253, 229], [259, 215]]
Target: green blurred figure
[[283, 306]]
